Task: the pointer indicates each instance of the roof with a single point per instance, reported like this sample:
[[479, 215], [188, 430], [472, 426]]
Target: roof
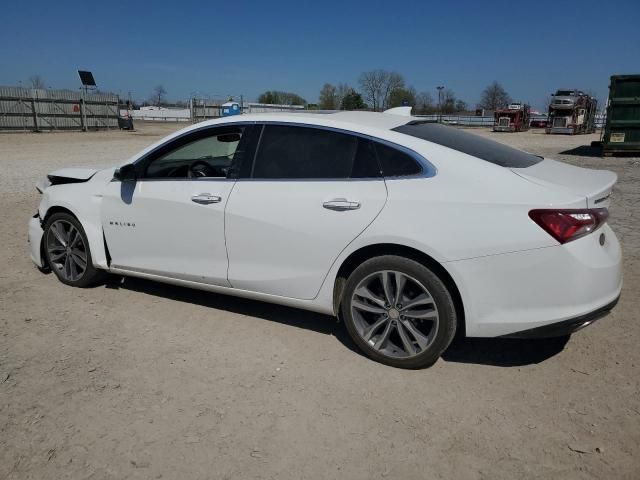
[[377, 120]]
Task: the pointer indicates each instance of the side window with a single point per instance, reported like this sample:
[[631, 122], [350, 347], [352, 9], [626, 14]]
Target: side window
[[211, 153], [396, 163], [289, 152]]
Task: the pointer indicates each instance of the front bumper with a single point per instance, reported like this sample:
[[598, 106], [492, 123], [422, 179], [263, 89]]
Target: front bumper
[[35, 240], [561, 130]]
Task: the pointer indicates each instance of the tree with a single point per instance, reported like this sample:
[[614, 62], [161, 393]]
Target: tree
[[267, 97], [158, 95], [352, 101], [447, 101], [394, 82], [461, 106], [342, 90], [401, 96], [425, 104], [277, 97], [372, 84], [328, 97], [494, 97], [377, 86], [36, 81]]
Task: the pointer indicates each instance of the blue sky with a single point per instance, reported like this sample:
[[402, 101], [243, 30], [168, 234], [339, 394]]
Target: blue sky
[[239, 47]]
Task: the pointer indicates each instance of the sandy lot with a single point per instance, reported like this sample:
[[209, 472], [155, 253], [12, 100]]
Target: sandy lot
[[140, 380]]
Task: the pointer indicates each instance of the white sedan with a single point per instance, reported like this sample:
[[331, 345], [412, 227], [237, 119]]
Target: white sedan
[[409, 231]]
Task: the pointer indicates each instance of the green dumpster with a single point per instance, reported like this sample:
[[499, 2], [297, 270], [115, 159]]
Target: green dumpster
[[622, 129]]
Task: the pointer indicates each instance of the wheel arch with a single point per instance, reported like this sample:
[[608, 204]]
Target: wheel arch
[[57, 209], [365, 253], [95, 236]]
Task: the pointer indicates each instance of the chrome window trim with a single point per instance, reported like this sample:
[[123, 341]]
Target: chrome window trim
[[428, 169]]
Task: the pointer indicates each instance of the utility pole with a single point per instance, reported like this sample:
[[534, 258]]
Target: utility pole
[[440, 88]]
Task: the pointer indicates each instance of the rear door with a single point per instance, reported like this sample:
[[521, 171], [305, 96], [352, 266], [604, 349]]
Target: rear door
[[311, 191]]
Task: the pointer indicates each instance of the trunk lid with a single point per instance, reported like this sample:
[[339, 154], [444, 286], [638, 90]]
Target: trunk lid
[[595, 185]]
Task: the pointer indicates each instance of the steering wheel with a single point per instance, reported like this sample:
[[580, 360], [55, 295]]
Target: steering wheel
[[200, 168]]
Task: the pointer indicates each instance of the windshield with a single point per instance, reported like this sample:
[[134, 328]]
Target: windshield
[[564, 93], [482, 148]]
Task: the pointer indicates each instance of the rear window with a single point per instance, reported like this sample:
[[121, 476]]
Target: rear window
[[470, 144]]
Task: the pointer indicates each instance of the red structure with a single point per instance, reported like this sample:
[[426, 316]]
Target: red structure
[[514, 118]]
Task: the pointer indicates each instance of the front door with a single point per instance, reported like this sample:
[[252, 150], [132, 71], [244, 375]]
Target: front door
[[170, 220]]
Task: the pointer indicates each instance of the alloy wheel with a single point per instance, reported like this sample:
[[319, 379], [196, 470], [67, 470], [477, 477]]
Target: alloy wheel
[[67, 251], [395, 314]]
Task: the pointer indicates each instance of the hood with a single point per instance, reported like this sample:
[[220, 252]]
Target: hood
[[595, 185], [75, 173], [67, 175]]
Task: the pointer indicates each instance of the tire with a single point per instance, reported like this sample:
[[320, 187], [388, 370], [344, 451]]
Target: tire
[[412, 335], [72, 266]]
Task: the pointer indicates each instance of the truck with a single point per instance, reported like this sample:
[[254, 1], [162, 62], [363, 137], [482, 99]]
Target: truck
[[514, 118], [621, 133], [572, 112]]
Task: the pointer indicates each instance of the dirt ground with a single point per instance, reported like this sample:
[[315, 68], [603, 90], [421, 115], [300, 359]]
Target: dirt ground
[[141, 380]]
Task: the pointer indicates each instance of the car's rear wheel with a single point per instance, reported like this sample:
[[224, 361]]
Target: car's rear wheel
[[398, 312], [67, 251]]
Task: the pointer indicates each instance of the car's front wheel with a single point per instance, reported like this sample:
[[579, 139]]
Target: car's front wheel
[[67, 251], [398, 312]]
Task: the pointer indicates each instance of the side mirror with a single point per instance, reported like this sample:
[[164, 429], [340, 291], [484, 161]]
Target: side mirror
[[126, 173]]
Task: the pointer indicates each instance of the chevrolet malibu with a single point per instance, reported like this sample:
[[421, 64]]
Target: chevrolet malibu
[[407, 230]]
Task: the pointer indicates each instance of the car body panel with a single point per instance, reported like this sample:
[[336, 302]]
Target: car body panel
[[154, 226], [277, 231], [84, 201], [513, 292], [595, 185], [78, 173], [34, 238], [469, 215]]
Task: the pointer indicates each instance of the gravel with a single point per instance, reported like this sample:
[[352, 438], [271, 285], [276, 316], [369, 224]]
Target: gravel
[[141, 380]]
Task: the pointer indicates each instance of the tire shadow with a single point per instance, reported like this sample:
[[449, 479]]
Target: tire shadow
[[498, 352]]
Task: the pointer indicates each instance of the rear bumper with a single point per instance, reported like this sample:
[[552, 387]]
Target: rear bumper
[[35, 240], [566, 327], [522, 291]]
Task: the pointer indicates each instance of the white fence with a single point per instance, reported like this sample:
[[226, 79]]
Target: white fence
[[163, 115], [40, 109], [202, 110]]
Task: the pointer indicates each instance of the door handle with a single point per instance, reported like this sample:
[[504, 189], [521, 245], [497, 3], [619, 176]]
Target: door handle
[[341, 204], [206, 199]]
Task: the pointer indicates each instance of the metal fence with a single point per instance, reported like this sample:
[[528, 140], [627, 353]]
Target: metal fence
[[39, 109]]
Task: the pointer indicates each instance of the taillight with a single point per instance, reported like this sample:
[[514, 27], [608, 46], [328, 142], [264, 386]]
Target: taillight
[[567, 225]]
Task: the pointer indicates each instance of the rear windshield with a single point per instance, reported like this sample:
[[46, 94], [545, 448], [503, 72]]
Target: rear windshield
[[471, 144]]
